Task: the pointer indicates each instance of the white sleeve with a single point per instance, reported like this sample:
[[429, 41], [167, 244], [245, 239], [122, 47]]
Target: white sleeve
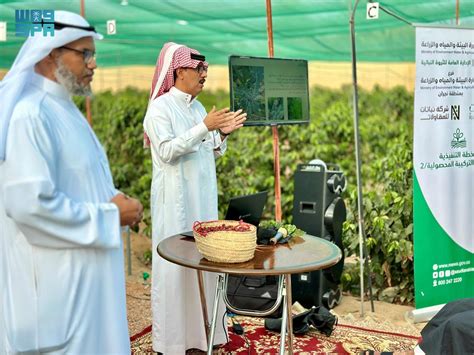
[[220, 146], [158, 127], [45, 215]]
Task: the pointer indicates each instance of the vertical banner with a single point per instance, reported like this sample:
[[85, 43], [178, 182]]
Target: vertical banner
[[443, 158]]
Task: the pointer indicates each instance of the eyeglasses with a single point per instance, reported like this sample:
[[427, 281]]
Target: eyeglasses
[[87, 54], [201, 68]]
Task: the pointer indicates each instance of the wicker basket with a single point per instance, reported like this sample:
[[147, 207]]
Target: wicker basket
[[226, 246]]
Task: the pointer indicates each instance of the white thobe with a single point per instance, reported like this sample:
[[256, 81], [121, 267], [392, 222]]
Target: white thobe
[[61, 260], [184, 190]]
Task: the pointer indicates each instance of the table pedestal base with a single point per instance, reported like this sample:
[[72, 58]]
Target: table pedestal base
[[286, 325], [307, 253]]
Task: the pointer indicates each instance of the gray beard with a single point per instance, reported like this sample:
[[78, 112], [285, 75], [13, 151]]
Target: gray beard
[[67, 79]]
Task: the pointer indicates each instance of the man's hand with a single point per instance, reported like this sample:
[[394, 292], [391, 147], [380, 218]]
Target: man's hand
[[219, 119], [131, 210], [238, 119]]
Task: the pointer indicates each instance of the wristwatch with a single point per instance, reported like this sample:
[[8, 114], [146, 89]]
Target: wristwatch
[[222, 133]]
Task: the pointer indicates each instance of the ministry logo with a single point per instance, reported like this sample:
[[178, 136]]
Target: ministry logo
[[30, 22], [458, 141]]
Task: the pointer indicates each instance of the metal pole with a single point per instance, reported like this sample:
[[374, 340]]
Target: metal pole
[[284, 320], [129, 252], [217, 296], [269, 28], [88, 110], [83, 9], [360, 210], [276, 162], [457, 12], [289, 303], [276, 145], [202, 295], [276, 159]]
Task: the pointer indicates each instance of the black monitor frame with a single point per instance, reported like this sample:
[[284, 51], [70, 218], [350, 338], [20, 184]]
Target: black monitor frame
[[248, 208], [268, 122]]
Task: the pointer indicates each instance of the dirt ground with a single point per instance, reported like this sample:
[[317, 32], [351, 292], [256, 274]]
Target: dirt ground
[[387, 316]]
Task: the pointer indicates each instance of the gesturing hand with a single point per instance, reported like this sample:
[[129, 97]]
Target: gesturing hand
[[238, 119], [131, 210], [218, 119]]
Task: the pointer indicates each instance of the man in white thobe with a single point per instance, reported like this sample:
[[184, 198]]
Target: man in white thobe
[[184, 144], [61, 259]]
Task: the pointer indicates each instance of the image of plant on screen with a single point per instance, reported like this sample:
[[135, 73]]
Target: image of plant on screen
[[249, 91], [275, 108], [295, 108]]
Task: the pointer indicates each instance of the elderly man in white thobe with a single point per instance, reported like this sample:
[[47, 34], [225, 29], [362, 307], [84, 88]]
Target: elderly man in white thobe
[[61, 261], [185, 140]]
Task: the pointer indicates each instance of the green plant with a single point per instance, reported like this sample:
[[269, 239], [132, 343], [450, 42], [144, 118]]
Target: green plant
[[247, 167], [147, 257], [291, 229]]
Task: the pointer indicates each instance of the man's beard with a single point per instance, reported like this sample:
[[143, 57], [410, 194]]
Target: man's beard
[[66, 78]]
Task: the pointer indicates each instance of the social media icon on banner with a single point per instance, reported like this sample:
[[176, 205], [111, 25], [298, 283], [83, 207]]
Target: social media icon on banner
[[435, 275], [441, 274]]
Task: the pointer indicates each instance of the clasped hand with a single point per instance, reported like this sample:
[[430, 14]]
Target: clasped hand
[[131, 210], [225, 120]]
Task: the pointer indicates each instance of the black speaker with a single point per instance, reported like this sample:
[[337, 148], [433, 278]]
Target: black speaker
[[319, 210]]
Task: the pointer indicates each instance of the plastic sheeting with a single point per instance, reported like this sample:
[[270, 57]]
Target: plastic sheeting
[[307, 29]]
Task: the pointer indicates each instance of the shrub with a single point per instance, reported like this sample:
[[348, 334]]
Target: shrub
[[247, 167]]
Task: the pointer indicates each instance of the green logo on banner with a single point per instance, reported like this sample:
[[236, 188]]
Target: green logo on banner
[[457, 141]]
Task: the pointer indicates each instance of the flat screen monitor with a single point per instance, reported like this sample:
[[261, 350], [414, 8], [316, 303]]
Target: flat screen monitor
[[248, 208], [273, 91]]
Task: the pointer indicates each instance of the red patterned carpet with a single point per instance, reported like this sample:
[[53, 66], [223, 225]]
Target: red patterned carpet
[[346, 339]]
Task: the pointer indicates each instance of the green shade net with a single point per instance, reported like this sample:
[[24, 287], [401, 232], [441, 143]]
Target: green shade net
[[312, 30]]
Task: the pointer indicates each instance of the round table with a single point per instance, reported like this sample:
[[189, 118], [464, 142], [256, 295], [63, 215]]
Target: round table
[[301, 254]]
